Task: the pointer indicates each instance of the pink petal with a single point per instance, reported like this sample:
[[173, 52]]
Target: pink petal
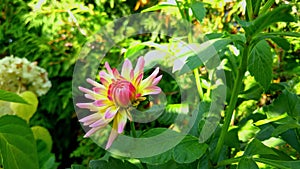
[[89, 106], [149, 80], [100, 90], [90, 119], [113, 135], [111, 112], [121, 118], [100, 103], [156, 80], [122, 98], [151, 90], [109, 70], [88, 96], [91, 131], [104, 81], [126, 69], [94, 83], [85, 90], [139, 68], [116, 73], [100, 123]]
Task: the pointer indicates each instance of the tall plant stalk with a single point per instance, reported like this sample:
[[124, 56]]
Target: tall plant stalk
[[233, 100]]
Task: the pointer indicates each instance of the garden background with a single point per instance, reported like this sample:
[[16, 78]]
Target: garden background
[[263, 92]]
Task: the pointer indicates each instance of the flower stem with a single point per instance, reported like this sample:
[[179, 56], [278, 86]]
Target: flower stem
[[228, 161], [233, 101], [198, 83], [133, 129]]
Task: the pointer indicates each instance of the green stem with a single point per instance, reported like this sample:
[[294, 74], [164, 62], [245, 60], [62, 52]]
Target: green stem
[[190, 38], [232, 102], [228, 161], [249, 9], [133, 129], [256, 7], [198, 83], [266, 7]]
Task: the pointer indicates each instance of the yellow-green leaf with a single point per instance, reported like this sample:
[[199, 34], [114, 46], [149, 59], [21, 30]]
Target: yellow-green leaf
[[42, 133], [23, 110]]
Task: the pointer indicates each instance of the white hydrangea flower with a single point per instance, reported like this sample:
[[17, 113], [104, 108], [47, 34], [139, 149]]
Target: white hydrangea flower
[[19, 75]]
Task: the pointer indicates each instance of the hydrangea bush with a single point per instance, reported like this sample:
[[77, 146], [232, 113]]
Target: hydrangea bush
[[19, 75]]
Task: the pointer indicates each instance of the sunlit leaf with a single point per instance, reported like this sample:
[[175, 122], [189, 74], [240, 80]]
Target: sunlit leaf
[[160, 7], [198, 10], [257, 147], [134, 51], [247, 131], [205, 51], [42, 133], [171, 112], [26, 111]]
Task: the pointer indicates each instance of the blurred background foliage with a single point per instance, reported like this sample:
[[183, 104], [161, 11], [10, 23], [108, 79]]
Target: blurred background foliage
[[52, 33]]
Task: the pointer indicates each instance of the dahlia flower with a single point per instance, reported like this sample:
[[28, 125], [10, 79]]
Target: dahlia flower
[[116, 93]]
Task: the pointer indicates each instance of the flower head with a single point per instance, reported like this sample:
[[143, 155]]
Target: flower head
[[19, 75], [115, 94]]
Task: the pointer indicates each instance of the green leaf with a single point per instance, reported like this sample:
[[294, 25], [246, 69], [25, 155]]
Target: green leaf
[[285, 127], [26, 111], [253, 93], [290, 137], [287, 102], [203, 53], [257, 147], [247, 131], [160, 7], [42, 133], [204, 162], [260, 63], [46, 159], [171, 112], [280, 14], [268, 120], [198, 10], [231, 138], [153, 132], [266, 6], [76, 166], [158, 159], [111, 163], [189, 150], [248, 163], [168, 165], [11, 97], [282, 42], [134, 51], [279, 163], [17, 144]]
